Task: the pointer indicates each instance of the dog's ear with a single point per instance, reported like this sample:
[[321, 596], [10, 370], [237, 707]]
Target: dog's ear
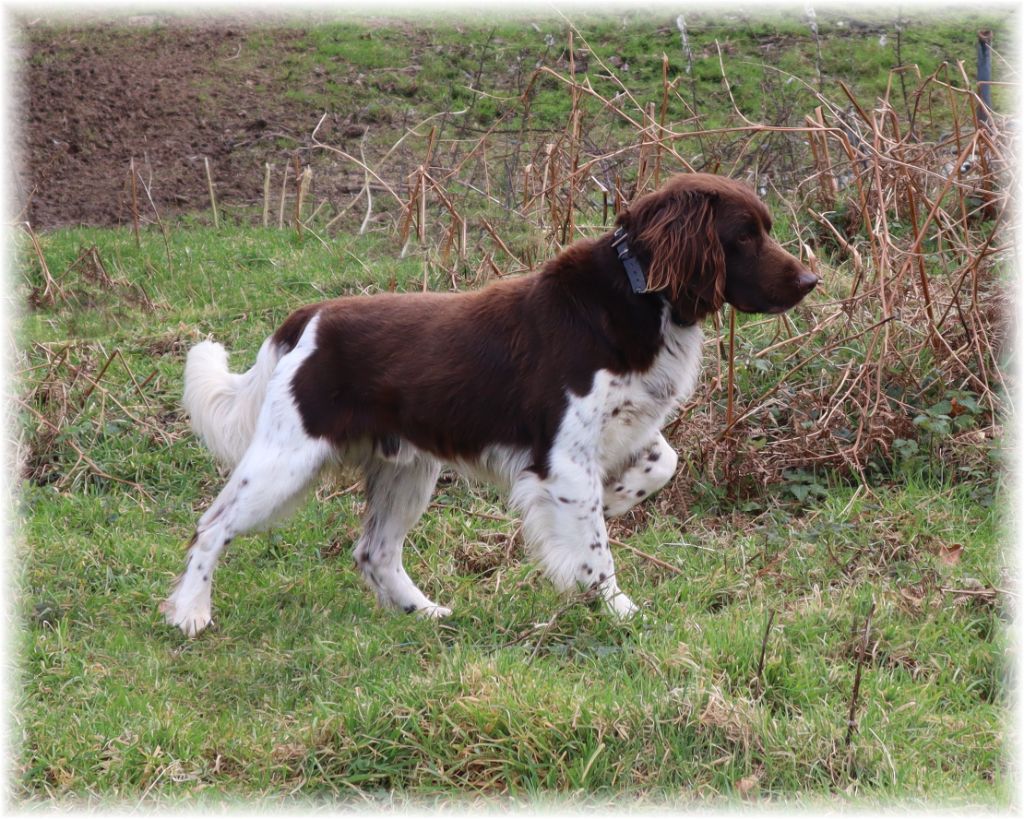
[[674, 233]]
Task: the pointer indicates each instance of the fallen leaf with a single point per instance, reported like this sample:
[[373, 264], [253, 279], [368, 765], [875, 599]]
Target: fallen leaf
[[913, 599], [747, 785], [950, 555]]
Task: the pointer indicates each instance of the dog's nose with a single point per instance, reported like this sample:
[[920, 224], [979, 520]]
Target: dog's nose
[[806, 282]]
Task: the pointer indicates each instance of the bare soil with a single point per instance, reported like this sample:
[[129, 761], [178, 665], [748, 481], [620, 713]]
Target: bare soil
[[93, 98]]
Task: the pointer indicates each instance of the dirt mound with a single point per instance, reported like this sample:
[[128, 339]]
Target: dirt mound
[[94, 98]]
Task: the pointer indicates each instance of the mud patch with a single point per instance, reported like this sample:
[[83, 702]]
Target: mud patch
[[94, 98]]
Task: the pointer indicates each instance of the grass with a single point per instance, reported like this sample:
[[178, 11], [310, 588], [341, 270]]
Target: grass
[[486, 58], [304, 689], [305, 686]]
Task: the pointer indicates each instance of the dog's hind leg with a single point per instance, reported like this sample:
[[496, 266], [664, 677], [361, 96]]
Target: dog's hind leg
[[268, 483], [396, 496], [281, 463]]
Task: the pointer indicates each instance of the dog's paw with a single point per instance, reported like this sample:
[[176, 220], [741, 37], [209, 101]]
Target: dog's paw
[[190, 619], [622, 607], [434, 612]]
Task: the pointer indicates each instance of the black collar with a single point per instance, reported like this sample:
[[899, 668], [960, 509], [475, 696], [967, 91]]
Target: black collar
[[634, 270], [637, 275]]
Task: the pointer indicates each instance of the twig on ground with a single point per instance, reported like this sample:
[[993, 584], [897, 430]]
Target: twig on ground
[[651, 558], [851, 720], [758, 683]]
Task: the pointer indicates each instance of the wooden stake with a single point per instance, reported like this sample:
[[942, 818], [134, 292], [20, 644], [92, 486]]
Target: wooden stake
[[661, 118], [284, 191], [213, 198], [266, 194], [830, 179], [299, 173], [135, 203], [732, 367], [366, 187], [422, 226], [304, 186], [548, 149]]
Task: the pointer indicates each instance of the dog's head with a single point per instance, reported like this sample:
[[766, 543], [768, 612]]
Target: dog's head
[[704, 240]]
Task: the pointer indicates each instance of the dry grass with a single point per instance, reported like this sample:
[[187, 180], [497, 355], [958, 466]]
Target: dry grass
[[900, 203]]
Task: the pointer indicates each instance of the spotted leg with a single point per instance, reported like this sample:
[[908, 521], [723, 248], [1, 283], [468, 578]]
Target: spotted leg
[[565, 532], [271, 479], [645, 472], [396, 495]]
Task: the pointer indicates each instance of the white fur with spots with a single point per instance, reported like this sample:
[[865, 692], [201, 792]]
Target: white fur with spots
[[608, 454], [269, 481], [650, 468]]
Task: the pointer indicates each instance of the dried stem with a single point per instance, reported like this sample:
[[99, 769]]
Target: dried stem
[[213, 198], [851, 719], [758, 682], [135, 202], [266, 194]]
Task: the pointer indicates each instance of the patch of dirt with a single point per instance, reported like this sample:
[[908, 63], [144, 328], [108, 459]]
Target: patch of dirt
[[93, 98]]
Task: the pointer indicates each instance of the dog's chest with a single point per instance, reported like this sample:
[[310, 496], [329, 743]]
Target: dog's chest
[[637, 404]]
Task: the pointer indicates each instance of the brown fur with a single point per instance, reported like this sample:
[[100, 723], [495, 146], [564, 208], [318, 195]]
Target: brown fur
[[454, 373]]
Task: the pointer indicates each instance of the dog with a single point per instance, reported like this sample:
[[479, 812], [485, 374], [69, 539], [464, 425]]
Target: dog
[[554, 385]]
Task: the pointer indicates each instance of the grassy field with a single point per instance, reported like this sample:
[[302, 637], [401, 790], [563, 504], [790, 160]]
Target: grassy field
[[736, 685]]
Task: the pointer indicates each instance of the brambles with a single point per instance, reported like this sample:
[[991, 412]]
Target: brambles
[[899, 202]]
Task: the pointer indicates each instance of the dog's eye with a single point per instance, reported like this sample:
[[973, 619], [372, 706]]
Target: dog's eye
[[747, 235]]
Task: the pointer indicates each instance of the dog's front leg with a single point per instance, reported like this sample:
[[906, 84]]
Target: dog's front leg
[[646, 471], [565, 531]]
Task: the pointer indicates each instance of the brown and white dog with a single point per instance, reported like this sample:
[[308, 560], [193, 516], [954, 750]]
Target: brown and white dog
[[554, 385]]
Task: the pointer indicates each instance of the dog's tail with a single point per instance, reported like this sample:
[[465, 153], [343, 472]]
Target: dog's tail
[[222, 405]]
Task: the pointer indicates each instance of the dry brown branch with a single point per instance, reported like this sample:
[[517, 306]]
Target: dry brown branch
[[899, 209], [650, 558], [862, 654]]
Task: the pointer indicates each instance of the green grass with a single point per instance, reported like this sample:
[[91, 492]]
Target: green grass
[[485, 59], [304, 689], [305, 685]]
